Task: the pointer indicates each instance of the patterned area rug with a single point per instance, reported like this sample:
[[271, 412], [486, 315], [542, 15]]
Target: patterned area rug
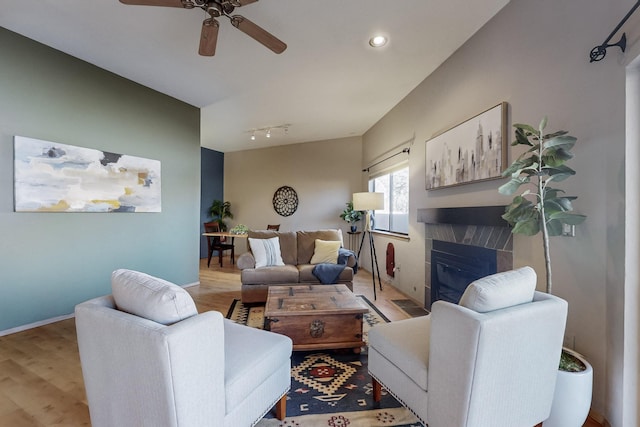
[[331, 388]]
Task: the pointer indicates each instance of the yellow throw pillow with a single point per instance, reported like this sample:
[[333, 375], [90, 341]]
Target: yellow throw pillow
[[326, 251]]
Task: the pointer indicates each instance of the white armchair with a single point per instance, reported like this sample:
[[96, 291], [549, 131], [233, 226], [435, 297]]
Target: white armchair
[[490, 361], [149, 359]]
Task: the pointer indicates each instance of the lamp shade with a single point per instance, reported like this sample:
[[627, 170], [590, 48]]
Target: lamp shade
[[368, 201]]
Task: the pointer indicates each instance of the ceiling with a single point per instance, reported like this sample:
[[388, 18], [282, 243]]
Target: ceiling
[[328, 84]]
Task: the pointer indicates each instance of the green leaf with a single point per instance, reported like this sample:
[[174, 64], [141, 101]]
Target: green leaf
[[543, 124], [529, 227], [568, 218], [520, 210], [521, 138], [551, 193], [557, 205], [565, 141], [553, 135], [558, 173], [526, 128], [512, 185], [518, 165], [554, 228], [556, 157]]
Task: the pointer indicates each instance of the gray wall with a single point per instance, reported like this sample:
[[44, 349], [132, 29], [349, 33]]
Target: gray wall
[[324, 174], [51, 261], [535, 56]]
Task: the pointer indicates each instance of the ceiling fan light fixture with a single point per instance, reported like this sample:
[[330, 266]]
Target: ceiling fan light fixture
[[214, 10], [268, 133], [253, 136], [378, 41], [208, 37]]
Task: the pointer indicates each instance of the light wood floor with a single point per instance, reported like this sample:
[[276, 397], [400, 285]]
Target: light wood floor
[[40, 376]]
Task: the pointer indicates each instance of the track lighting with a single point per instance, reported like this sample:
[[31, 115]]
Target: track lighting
[[269, 131]]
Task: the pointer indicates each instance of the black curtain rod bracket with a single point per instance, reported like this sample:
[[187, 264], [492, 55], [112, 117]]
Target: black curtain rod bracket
[[599, 52]]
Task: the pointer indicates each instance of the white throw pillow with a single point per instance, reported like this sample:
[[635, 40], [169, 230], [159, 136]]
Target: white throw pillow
[[266, 251], [152, 298], [500, 290], [326, 251]]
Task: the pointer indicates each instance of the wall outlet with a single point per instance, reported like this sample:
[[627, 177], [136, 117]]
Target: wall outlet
[[569, 230]]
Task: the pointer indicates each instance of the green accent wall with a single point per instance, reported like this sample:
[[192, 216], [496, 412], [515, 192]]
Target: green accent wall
[[49, 262]]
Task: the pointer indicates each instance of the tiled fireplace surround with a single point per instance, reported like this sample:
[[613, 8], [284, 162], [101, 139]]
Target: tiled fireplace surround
[[480, 226]]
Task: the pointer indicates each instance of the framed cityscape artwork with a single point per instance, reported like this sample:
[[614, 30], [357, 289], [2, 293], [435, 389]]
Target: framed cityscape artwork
[[474, 150], [52, 177]]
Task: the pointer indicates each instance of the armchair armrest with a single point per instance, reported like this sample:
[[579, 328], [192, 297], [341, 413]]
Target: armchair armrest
[[350, 256], [246, 260]]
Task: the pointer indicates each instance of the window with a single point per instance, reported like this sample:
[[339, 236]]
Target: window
[[395, 186]]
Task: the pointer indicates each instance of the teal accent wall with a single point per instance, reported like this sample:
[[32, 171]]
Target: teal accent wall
[[49, 262]]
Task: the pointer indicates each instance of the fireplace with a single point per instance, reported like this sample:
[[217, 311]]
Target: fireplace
[[461, 245], [455, 266]]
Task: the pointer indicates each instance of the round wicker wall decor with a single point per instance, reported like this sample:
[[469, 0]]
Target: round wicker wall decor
[[285, 201]]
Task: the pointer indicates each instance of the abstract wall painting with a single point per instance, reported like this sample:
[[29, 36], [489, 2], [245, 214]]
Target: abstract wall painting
[[475, 150], [52, 177]]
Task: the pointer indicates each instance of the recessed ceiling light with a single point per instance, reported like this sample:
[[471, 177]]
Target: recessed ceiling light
[[378, 41]]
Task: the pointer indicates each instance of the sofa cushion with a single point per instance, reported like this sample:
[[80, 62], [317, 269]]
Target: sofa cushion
[[326, 251], [307, 242], [500, 290], [306, 274], [268, 275], [288, 243], [266, 252], [150, 297], [405, 343]]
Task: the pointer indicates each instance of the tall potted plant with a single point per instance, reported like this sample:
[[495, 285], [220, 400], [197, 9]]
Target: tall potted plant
[[351, 216], [541, 208], [220, 210]]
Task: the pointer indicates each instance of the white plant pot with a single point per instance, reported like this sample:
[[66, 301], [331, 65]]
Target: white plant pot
[[572, 397]]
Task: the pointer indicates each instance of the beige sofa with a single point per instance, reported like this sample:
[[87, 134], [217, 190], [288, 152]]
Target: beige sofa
[[297, 249]]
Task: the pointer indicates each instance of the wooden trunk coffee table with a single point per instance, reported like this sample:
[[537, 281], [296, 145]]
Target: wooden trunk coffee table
[[316, 317]]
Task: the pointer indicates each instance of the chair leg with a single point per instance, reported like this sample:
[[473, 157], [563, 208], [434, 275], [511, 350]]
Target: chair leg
[[233, 255], [377, 390], [220, 251], [281, 408], [209, 259]]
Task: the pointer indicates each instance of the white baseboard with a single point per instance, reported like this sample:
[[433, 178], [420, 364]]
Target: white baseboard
[[35, 324], [57, 319], [188, 285]]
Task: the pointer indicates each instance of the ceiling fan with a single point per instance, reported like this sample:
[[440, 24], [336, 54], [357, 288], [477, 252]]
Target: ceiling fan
[[216, 9]]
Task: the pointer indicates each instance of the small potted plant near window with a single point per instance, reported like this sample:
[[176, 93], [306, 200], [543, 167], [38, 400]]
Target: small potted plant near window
[[351, 216], [541, 208]]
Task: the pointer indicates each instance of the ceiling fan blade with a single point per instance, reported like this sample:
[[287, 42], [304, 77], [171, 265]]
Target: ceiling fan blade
[[165, 3], [239, 3], [208, 37], [258, 33]]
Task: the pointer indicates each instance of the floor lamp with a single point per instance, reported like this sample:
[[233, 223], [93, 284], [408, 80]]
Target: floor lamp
[[369, 202]]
